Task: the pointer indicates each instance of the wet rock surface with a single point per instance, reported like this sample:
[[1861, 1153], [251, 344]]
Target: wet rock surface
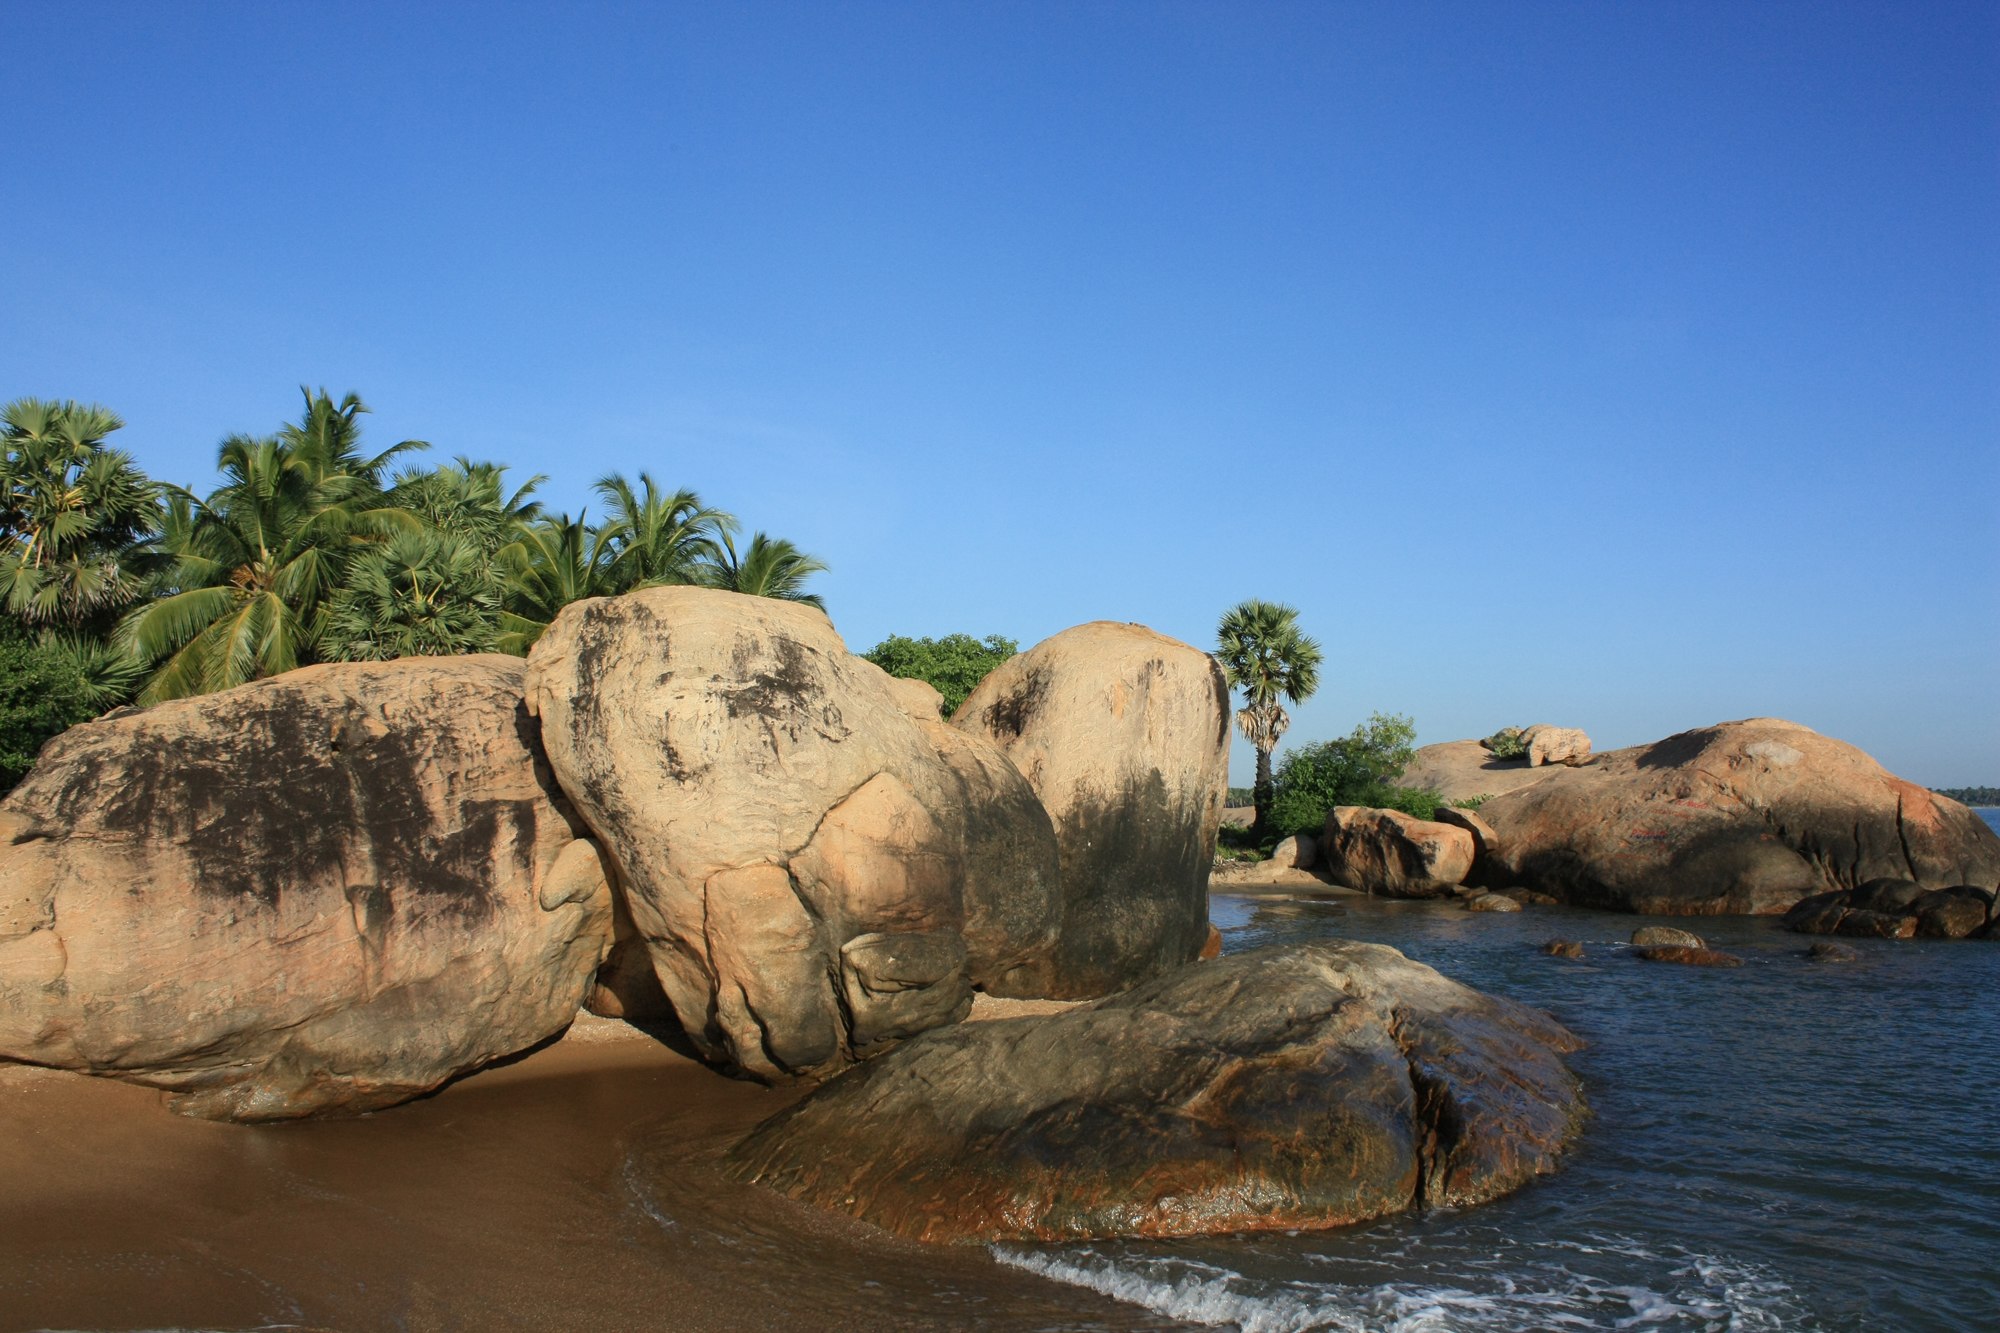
[[1687, 955], [1308, 1086], [1123, 735], [327, 892], [1898, 910]]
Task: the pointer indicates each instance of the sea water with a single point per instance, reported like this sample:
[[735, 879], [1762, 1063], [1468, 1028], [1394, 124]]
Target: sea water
[[1785, 1145]]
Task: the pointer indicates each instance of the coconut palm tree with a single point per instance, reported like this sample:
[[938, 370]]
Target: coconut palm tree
[[1264, 654], [254, 566], [555, 561], [326, 439], [769, 567], [75, 516], [655, 537]]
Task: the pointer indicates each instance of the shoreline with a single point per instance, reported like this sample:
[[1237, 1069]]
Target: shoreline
[[575, 1186]]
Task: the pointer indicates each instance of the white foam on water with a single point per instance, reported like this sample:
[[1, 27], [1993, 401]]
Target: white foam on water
[[1684, 1292]]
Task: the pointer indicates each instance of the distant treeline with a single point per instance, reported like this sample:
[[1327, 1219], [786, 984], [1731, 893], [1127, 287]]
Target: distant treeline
[[1971, 795]]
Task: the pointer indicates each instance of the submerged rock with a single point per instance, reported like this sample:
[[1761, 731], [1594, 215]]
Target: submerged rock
[[1695, 955], [1491, 902], [330, 891], [1826, 951], [1741, 817], [1563, 949], [1123, 734], [1283, 1088]]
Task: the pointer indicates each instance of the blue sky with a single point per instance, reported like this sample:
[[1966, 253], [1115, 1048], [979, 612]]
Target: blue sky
[[1623, 366]]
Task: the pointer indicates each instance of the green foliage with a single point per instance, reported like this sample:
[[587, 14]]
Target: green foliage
[[768, 567], [654, 537], [1264, 654], [1472, 802], [420, 594], [1971, 795], [75, 516], [1506, 743], [1240, 796], [42, 693], [1360, 768], [953, 665]]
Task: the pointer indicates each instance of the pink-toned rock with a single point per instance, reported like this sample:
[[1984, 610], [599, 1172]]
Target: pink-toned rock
[[326, 892], [1389, 852], [1483, 836], [1741, 817], [1124, 736], [1555, 745], [793, 843]]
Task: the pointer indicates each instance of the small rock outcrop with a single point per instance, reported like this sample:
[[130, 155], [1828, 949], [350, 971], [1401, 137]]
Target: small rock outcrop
[[1491, 902], [1466, 770], [1667, 937], [1555, 745], [1563, 949], [1283, 1088], [1389, 852], [326, 892], [792, 842], [1898, 910], [1123, 734], [1742, 817]]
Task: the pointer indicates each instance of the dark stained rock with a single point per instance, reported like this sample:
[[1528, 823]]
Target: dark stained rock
[[1282, 1088], [1389, 852], [1563, 949], [1740, 817], [1953, 913], [326, 892], [1893, 896], [1123, 734], [1689, 956], [1667, 936], [1491, 902], [1896, 910]]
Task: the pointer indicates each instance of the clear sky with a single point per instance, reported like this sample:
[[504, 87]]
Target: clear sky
[[1624, 366]]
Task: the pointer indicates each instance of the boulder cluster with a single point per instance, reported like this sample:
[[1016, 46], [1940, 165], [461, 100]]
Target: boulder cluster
[[339, 888], [1757, 816]]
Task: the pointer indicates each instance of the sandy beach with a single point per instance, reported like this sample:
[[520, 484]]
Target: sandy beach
[[573, 1188]]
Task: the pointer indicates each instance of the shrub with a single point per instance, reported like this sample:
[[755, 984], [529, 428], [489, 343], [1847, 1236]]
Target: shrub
[[953, 665], [42, 694], [1358, 769], [1506, 743], [1472, 802]]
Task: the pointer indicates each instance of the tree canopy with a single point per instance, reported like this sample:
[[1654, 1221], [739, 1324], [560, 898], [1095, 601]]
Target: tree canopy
[[953, 665], [1265, 655]]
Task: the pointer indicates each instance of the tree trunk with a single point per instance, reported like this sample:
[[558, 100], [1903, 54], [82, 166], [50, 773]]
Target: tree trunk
[[1262, 794]]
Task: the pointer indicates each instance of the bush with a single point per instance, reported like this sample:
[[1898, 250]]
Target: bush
[[1506, 743], [953, 665], [42, 694], [1358, 769], [1472, 802]]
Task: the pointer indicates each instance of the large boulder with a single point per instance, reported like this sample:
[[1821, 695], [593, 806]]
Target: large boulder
[[1124, 736], [1284, 1088], [1465, 770], [1879, 911], [1389, 852], [330, 891], [1740, 817], [793, 845]]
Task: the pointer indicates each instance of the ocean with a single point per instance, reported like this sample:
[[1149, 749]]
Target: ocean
[[1787, 1145]]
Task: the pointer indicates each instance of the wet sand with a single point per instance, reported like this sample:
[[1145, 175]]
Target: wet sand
[[575, 1188]]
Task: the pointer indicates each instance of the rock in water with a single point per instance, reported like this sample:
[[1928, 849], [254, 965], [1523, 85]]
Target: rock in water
[[793, 846], [330, 891], [1736, 818], [1667, 937], [1283, 1088], [1124, 736], [1699, 955], [1389, 852]]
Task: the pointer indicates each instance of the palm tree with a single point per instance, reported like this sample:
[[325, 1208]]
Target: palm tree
[[1264, 655], [770, 567], [419, 594], [327, 440], [555, 561], [75, 516], [470, 500], [659, 538], [254, 565]]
